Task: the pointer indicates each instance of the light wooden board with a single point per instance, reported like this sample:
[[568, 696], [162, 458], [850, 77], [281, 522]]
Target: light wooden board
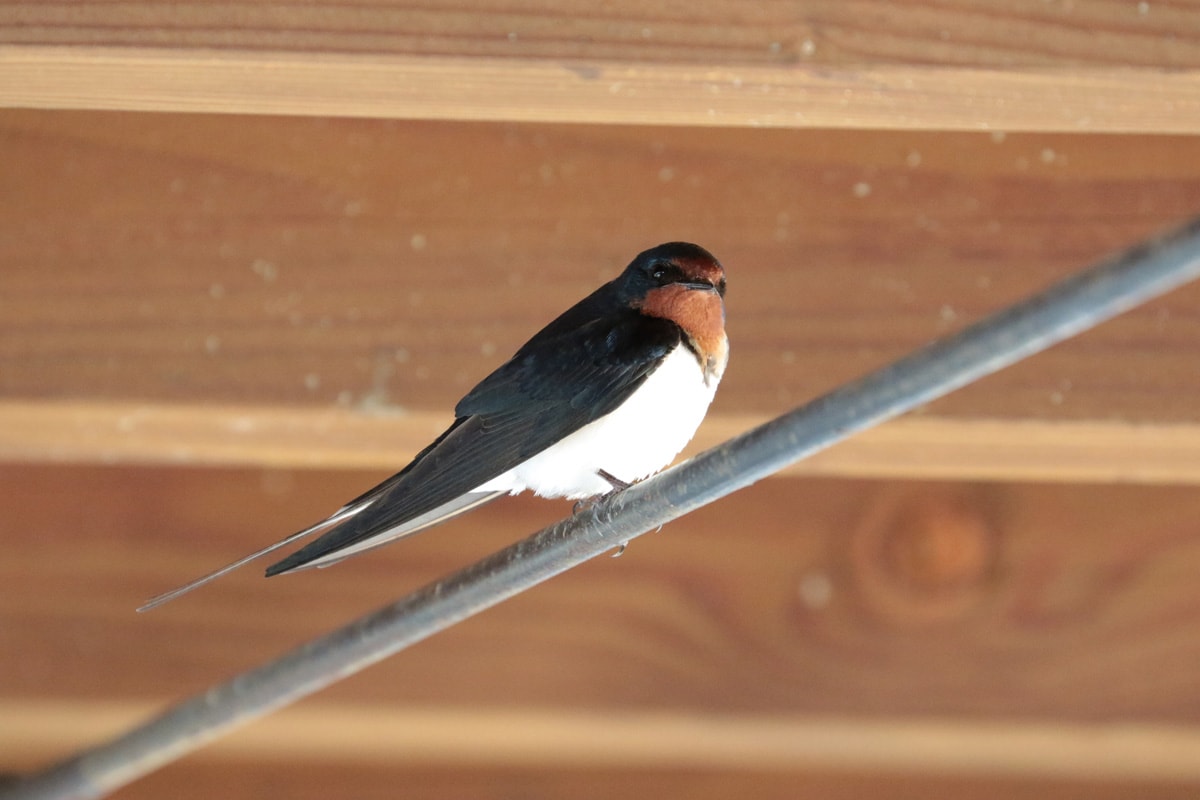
[[236, 779], [895, 97], [286, 436], [984, 33], [1097, 66], [325, 734]]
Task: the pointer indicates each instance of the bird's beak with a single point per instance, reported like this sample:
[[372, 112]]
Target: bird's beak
[[704, 286]]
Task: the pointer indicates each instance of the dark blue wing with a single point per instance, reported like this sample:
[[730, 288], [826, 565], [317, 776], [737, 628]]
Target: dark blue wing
[[577, 369]]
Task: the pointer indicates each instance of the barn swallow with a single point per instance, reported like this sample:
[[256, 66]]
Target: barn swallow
[[605, 395]]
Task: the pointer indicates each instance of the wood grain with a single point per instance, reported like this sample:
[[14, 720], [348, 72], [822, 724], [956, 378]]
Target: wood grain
[[327, 734], [1097, 66], [958, 602], [302, 782], [1097, 100], [236, 779], [978, 33], [340, 438], [318, 781], [380, 266]]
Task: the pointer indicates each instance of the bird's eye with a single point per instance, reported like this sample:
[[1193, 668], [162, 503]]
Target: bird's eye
[[664, 272]]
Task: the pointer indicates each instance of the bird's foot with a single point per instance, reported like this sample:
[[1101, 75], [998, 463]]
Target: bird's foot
[[616, 483]]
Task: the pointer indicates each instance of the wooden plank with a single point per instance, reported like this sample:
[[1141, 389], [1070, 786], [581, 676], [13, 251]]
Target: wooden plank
[[800, 598], [325, 733], [339, 438], [305, 782], [986, 33], [236, 779], [892, 97], [1010, 66], [379, 266]]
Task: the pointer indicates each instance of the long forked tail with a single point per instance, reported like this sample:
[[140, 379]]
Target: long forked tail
[[364, 533], [338, 543], [342, 514]]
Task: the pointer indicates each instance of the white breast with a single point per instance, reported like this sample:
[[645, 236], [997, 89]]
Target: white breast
[[639, 438]]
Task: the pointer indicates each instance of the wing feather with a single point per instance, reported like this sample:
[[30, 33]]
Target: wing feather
[[541, 395], [578, 368]]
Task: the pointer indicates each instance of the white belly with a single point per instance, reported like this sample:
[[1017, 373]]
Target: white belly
[[636, 440]]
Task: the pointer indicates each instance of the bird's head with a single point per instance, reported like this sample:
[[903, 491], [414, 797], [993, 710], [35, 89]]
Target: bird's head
[[673, 269], [684, 283]]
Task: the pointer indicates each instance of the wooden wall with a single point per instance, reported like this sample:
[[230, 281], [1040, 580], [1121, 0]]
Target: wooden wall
[[215, 327]]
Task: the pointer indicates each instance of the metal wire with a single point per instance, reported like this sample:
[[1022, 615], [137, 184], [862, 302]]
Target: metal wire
[[1062, 311]]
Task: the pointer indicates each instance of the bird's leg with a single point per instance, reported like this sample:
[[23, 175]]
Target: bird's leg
[[591, 502], [616, 483]]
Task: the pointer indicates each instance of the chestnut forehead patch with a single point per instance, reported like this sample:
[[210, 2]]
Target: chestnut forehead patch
[[704, 268]]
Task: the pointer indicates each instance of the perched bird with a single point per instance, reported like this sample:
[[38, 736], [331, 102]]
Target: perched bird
[[605, 395]]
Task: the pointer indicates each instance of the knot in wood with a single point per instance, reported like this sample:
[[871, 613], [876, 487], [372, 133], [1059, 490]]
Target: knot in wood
[[923, 558]]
